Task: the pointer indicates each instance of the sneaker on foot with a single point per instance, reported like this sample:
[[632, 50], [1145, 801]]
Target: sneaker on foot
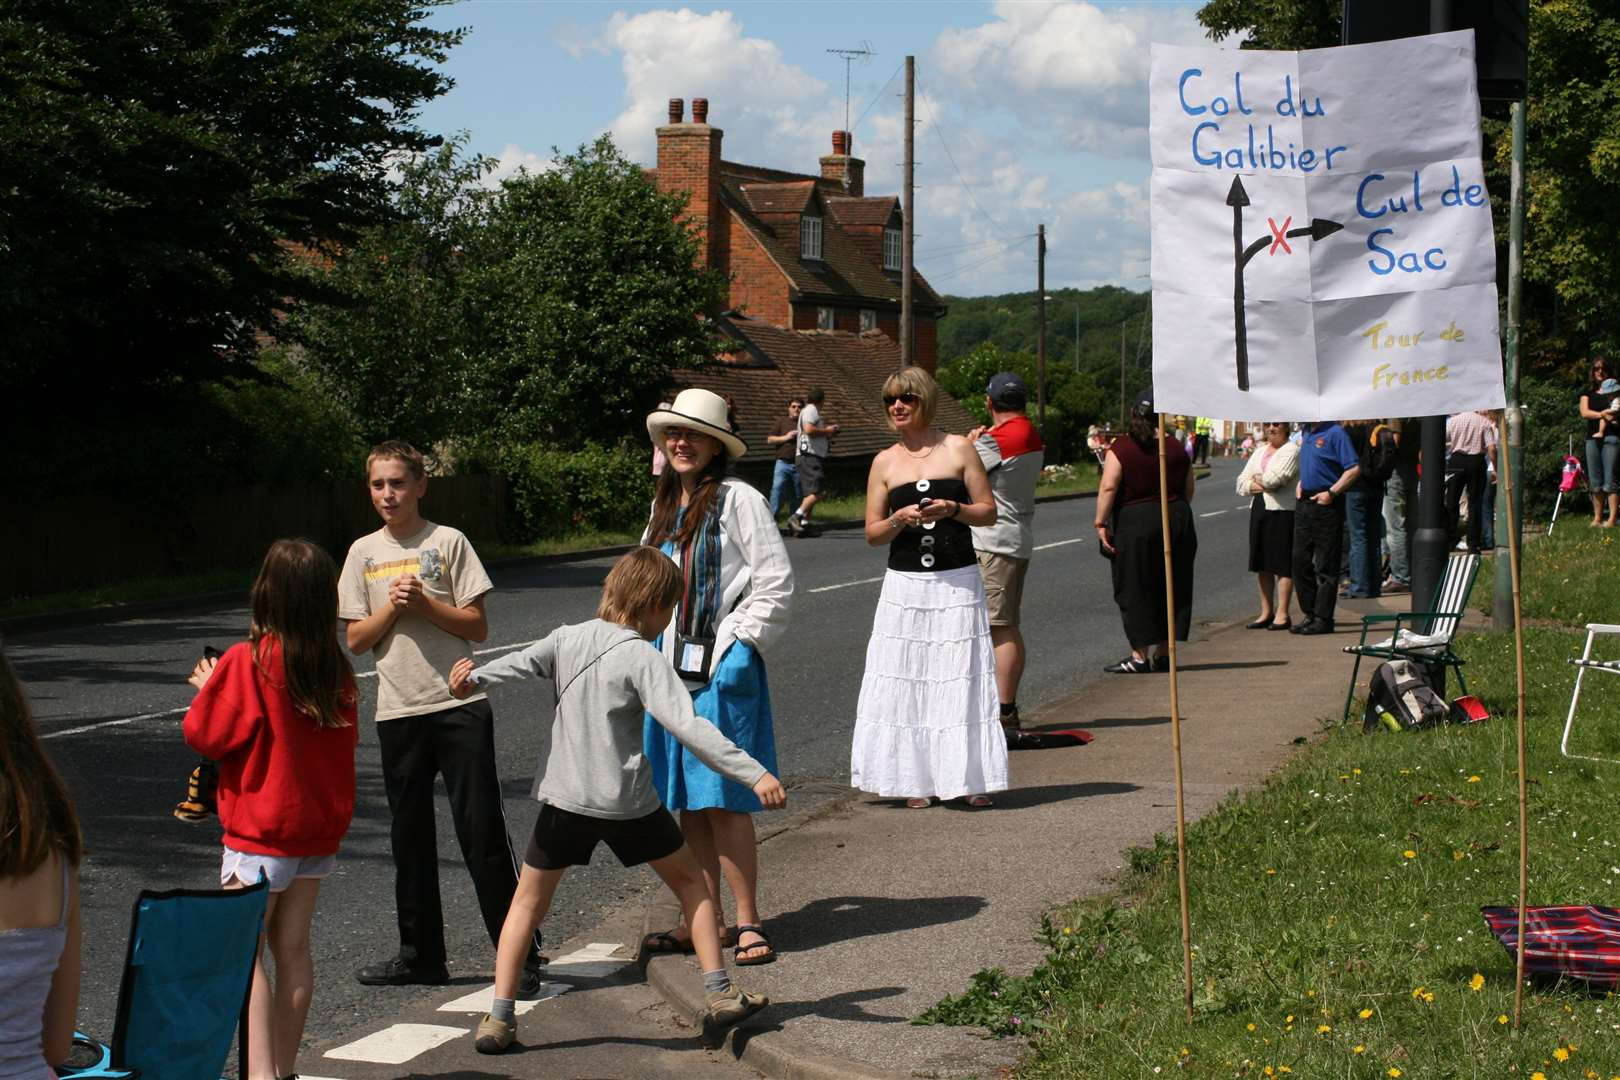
[[397, 972], [795, 524], [729, 1007], [494, 1036]]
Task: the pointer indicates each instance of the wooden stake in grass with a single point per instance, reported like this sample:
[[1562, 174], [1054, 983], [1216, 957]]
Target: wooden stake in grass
[[1175, 727], [1502, 459]]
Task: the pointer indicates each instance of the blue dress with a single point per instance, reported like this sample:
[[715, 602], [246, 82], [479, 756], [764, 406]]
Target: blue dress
[[737, 700]]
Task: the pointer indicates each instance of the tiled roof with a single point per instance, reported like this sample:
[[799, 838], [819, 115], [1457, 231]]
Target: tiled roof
[[772, 364], [846, 269], [791, 198], [871, 210]]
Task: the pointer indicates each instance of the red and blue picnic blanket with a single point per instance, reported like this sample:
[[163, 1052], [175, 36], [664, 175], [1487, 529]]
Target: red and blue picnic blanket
[[1581, 941]]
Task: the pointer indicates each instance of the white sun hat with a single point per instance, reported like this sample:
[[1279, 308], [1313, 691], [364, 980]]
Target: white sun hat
[[700, 410]]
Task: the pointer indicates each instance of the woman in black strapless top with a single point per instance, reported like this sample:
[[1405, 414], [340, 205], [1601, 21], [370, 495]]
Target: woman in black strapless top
[[927, 723]]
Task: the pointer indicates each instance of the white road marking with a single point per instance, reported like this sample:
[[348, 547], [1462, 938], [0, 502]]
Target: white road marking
[[482, 1001], [594, 961], [844, 585], [1213, 513], [121, 721], [1059, 543], [397, 1044]]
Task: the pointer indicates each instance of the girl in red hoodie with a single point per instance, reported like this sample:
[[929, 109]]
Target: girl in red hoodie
[[277, 713]]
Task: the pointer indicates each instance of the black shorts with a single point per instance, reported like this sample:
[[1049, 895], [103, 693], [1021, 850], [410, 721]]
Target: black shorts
[[811, 467], [563, 838]]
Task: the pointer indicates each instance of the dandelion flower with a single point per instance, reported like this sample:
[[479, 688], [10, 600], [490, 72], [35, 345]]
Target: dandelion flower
[[1561, 1054], [1251, 1027], [1323, 1029], [1358, 1049], [1409, 853], [1417, 993], [1393, 1071], [1538, 1075], [1356, 771], [1502, 1019], [1270, 873], [1473, 779], [1289, 1019], [1365, 1014], [1477, 983]]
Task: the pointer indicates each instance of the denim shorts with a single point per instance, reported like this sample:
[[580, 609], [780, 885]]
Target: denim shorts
[[1603, 463]]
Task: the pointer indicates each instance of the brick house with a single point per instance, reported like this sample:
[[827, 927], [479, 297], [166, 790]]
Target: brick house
[[815, 271]]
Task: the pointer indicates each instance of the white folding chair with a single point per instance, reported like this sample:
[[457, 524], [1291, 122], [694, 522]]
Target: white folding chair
[[1582, 665]]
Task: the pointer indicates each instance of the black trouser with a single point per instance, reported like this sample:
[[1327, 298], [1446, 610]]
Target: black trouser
[[460, 743], [1201, 449], [1468, 471], [1318, 549]]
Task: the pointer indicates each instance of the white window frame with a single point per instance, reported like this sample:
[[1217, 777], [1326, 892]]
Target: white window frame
[[826, 318], [810, 237], [893, 249], [868, 320]]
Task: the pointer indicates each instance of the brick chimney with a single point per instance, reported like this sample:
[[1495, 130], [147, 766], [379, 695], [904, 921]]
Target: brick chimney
[[689, 161], [841, 166]]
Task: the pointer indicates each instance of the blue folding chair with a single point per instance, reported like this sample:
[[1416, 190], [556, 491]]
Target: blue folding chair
[[185, 986]]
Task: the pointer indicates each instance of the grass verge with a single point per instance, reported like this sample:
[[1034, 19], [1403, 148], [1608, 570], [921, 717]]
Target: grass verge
[[1568, 577], [1335, 909]]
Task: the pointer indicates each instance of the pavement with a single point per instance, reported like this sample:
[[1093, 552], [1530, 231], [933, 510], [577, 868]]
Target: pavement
[[879, 911]]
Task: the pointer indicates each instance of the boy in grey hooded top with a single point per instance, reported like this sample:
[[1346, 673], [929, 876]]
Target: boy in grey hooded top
[[605, 676]]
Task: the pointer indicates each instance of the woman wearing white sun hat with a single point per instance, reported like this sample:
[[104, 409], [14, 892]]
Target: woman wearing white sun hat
[[739, 581]]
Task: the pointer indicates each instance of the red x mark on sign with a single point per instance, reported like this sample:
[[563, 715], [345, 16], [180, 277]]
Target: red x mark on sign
[[1279, 236]]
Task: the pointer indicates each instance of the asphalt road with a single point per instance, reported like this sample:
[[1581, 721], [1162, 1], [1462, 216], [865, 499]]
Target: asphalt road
[[109, 700]]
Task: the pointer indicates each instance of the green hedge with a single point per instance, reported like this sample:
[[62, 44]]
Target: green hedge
[[555, 491]]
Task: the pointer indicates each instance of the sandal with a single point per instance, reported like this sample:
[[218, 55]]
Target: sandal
[[980, 802], [916, 804], [665, 941], [764, 942]]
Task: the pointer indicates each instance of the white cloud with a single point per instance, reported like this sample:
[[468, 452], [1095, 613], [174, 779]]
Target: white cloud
[[513, 158], [760, 100], [1071, 69]]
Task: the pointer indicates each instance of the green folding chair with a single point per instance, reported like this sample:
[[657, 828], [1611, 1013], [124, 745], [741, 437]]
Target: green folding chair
[[1432, 646]]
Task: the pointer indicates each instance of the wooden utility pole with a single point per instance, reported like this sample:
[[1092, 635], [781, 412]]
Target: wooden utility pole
[[908, 343], [1040, 342]]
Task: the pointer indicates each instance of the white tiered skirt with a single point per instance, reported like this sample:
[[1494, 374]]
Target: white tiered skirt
[[928, 721]]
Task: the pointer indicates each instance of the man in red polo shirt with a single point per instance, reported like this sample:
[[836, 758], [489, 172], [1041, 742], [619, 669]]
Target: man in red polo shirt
[[1012, 452]]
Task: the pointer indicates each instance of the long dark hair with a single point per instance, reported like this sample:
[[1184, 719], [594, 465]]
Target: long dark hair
[[1143, 430], [294, 600], [36, 812], [1594, 362], [667, 501]]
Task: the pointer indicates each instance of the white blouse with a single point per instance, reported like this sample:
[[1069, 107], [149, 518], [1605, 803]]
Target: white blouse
[[1278, 479], [756, 576]]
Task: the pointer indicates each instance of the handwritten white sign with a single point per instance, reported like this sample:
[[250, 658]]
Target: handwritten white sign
[[1322, 244]]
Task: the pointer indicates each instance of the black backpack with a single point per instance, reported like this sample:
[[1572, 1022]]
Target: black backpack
[[1400, 691], [1379, 455]]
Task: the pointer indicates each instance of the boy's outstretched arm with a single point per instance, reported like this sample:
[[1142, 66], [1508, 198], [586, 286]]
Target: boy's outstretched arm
[[537, 661]]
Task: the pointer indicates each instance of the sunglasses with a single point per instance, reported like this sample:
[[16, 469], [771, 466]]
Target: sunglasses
[[904, 399]]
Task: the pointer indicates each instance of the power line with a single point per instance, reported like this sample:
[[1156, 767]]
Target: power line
[[955, 248], [933, 122], [875, 98], [992, 257]]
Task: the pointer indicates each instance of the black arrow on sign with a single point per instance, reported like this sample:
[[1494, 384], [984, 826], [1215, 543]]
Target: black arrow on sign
[[1237, 199]]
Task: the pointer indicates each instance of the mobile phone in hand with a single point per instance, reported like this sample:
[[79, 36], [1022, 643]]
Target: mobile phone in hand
[[923, 502]]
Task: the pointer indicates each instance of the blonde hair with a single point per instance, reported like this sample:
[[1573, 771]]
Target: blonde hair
[[397, 450], [642, 582], [913, 380]]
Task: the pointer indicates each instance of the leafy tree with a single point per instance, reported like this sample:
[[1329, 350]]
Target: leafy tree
[[1275, 24], [549, 310], [159, 156], [1073, 399]]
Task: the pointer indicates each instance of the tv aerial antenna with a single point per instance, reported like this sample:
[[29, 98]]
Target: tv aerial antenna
[[862, 54]]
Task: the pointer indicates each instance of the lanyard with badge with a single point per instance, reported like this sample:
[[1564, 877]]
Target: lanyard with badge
[[700, 597]]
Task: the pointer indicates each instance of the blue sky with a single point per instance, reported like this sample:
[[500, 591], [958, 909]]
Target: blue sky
[[1028, 112]]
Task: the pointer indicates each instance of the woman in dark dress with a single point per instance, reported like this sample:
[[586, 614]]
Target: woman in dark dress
[[1268, 480], [1129, 529]]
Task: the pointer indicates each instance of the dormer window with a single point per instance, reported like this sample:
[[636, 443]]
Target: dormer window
[[892, 251], [809, 237]]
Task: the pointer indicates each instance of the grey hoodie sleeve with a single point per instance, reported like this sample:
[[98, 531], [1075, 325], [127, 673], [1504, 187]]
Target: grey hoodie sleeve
[[537, 661], [670, 703]]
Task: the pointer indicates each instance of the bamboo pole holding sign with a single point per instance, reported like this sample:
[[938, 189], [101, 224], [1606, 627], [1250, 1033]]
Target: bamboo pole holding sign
[[1175, 727], [1503, 459]]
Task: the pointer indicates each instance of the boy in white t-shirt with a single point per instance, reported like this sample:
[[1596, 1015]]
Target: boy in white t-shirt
[[412, 593], [811, 460]]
